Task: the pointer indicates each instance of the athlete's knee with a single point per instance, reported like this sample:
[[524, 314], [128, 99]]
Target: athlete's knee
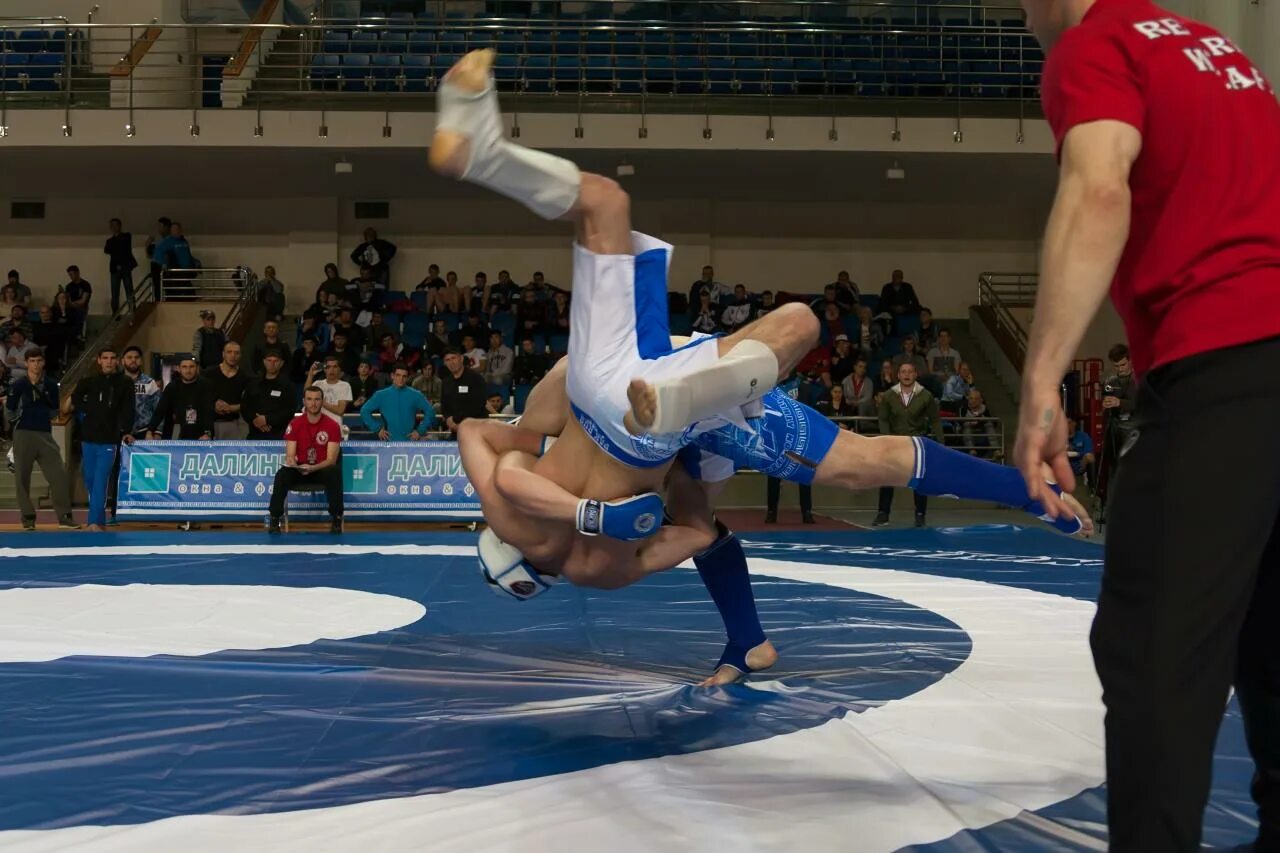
[[595, 577], [601, 196], [801, 324]]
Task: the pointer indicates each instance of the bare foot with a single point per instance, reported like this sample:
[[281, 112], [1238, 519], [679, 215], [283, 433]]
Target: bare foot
[[644, 407], [450, 151], [760, 658]]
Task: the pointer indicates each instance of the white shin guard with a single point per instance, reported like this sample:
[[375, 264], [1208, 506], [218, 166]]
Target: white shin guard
[[742, 375], [546, 184]]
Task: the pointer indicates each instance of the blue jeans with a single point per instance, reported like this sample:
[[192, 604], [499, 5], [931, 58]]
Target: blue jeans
[[96, 463]]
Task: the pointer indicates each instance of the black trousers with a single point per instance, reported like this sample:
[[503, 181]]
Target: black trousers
[[1190, 600], [774, 491], [886, 501], [290, 478]]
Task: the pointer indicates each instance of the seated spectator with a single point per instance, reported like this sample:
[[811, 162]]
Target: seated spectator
[[400, 407], [980, 436], [859, 390], [186, 407], [369, 290], [9, 300], [737, 313], [437, 340], [80, 292], [478, 298], [17, 319], [1080, 451], [942, 359], [531, 316], [814, 372], [448, 299], [271, 342], [432, 281], [335, 391], [270, 400], [312, 324], [21, 291], [910, 355], [558, 314], [378, 329], [333, 284], [51, 338], [499, 365], [956, 390], [503, 293], [833, 324], [543, 289], [899, 297], [884, 380], [393, 351], [867, 334], [208, 341], [364, 386], [227, 383], [706, 313], [428, 383], [927, 334], [15, 354], [463, 393], [63, 318], [476, 357], [348, 328], [766, 305], [497, 404], [847, 293], [310, 456], [473, 326], [347, 357], [530, 365], [828, 297], [271, 293], [376, 254], [305, 358], [707, 284], [843, 359]]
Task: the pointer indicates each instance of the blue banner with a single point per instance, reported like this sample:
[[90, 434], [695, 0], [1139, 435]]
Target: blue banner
[[231, 481]]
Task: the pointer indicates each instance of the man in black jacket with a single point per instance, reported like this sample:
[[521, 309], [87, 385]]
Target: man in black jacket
[[30, 406], [227, 382], [185, 403], [530, 366], [270, 401], [105, 405], [122, 263], [463, 392], [376, 253]]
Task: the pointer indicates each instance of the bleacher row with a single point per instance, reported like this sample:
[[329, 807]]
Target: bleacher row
[[33, 60], [412, 324]]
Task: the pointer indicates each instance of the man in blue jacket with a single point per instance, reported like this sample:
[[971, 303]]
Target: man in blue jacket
[[400, 406]]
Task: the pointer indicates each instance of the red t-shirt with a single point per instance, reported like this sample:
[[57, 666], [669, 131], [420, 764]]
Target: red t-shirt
[[313, 438], [1201, 270]]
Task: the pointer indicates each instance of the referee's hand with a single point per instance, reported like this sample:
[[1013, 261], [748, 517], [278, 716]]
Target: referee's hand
[[1042, 438]]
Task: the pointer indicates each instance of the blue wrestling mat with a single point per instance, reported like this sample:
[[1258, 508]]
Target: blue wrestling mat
[[232, 692]]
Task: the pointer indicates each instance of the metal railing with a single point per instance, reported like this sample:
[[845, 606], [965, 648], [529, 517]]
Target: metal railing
[[144, 293], [998, 294], [208, 284], [959, 57]]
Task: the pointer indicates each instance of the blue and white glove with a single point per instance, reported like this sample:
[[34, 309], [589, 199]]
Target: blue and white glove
[[628, 519]]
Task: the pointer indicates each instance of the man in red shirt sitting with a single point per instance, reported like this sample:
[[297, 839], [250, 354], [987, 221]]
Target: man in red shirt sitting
[[310, 456]]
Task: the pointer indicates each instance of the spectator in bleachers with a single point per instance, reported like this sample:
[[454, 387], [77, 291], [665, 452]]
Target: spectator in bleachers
[[708, 284], [956, 391], [79, 292], [828, 297], [307, 354], [311, 456], [208, 341], [376, 254], [120, 263], [174, 253], [907, 409], [503, 293], [867, 334], [271, 293], [428, 383], [432, 281], [449, 298], [20, 290], [271, 342], [51, 338], [1080, 451], [157, 262], [17, 319], [396, 351], [544, 289], [910, 355], [885, 379], [369, 291], [348, 357], [437, 340], [498, 404], [335, 390], [814, 372], [927, 334], [270, 400], [227, 383], [400, 407], [737, 313], [1119, 398], [346, 326], [314, 323], [766, 305], [473, 326], [530, 365], [847, 293], [364, 385], [15, 354], [530, 314], [833, 325], [898, 296], [333, 283], [706, 313], [378, 328], [979, 435], [30, 406], [499, 365], [859, 390], [558, 314], [186, 404], [476, 358], [843, 359], [478, 297], [943, 361], [9, 300], [462, 393]]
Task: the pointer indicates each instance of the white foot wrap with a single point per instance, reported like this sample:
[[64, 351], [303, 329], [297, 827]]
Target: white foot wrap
[[546, 184], [740, 376]]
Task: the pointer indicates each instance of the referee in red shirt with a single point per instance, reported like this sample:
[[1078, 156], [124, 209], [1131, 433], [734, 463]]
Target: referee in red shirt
[[311, 443], [1169, 196]]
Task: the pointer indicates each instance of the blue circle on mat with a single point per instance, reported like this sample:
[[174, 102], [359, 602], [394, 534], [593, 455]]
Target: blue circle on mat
[[477, 692]]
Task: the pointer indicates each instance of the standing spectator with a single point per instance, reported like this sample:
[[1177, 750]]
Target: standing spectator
[[927, 334], [708, 284], [185, 404], [174, 253], [365, 291], [364, 386], [1119, 398], [706, 314], [227, 383], [462, 392], [738, 312], [979, 435], [773, 488], [79, 292], [30, 406], [530, 315], [898, 297], [530, 365], [311, 445], [208, 341], [942, 359], [400, 407], [157, 261], [842, 360], [428, 384], [269, 400], [332, 284], [433, 281], [1080, 451], [271, 342], [868, 334], [63, 318], [859, 391], [50, 337], [847, 293], [105, 405], [121, 264], [376, 254], [956, 391], [146, 391], [766, 305], [335, 391], [910, 355], [271, 292], [907, 409], [20, 290], [15, 355], [499, 365]]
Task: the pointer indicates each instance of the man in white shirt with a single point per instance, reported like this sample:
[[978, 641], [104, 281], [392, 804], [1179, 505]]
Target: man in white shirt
[[337, 392], [15, 354]]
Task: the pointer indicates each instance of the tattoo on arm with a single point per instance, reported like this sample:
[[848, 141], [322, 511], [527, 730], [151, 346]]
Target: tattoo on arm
[[1047, 419]]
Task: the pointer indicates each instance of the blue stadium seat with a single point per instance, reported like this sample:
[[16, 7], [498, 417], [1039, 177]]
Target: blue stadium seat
[[782, 76], [415, 330], [687, 44], [13, 72], [422, 43], [800, 46], [629, 74], [32, 41], [927, 77], [394, 43], [417, 73], [506, 71], [869, 75], [392, 320], [902, 22], [356, 73], [393, 296], [860, 47], [364, 41], [599, 74], [441, 63], [598, 43], [505, 322], [386, 73], [454, 44], [954, 23], [419, 300], [568, 73], [749, 76], [744, 44], [537, 74], [840, 77], [691, 75], [324, 68], [508, 42], [558, 343], [540, 43], [521, 394], [656, 44], [659, 73], [335, 42], [811, 77], [719, 75], [629, 43], [568, 43]]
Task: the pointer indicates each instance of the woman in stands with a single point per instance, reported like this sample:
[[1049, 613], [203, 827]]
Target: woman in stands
[[887, 379]]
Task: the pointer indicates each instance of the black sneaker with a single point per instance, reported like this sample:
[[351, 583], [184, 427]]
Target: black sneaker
[[335, 525], [881, 519], [770, 518], [273, 525], [68, 523], [29, 523], [807, 518], [920, 521]]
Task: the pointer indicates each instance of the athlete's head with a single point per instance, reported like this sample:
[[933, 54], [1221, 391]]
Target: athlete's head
[[1049, 19]]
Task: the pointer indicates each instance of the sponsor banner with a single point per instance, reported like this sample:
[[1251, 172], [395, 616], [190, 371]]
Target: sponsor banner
[[232, 480]]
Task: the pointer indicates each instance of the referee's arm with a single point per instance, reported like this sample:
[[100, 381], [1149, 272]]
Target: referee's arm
[[1087, 231]]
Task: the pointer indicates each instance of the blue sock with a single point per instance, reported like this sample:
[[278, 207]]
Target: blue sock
[[943, 472], [723, 569]]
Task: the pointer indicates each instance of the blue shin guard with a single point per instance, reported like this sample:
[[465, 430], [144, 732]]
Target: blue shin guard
[[943, 472], [723, 569]]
